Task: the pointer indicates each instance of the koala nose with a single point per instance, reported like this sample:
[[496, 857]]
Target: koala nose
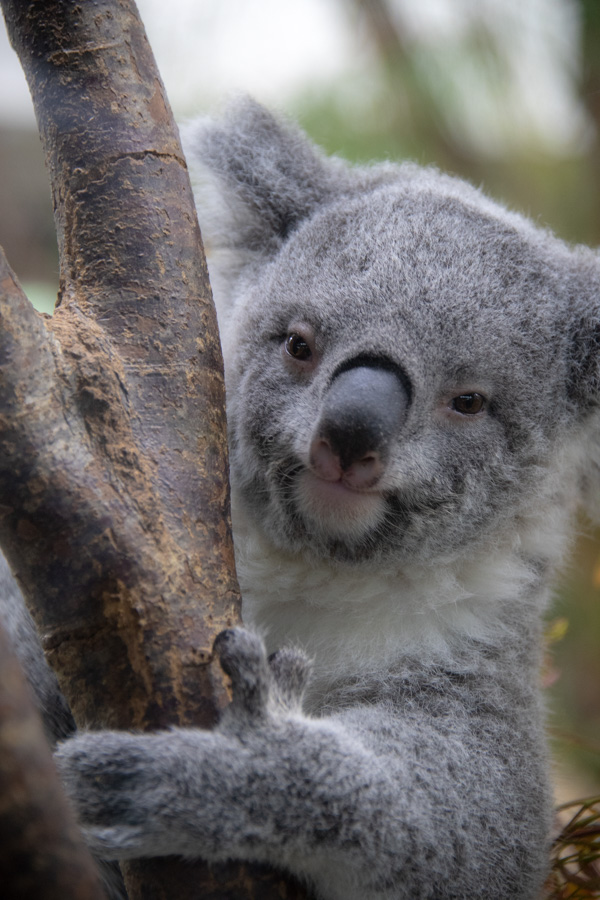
[[363, 409]]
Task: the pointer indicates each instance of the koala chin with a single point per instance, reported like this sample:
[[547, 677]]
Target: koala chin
[[413, 388], [336, 510]]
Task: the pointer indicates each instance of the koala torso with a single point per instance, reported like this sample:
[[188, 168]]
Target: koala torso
[[412, 380]]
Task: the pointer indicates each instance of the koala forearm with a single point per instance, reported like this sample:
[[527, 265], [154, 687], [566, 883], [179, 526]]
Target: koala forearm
[[313, 795], [217, 795], [303, 796]]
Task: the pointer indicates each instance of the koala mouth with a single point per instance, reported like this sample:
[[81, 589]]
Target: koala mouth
[[337, 509], [336, 521]]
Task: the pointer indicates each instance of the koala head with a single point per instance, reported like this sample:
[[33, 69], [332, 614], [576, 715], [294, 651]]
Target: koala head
[[406, 361]]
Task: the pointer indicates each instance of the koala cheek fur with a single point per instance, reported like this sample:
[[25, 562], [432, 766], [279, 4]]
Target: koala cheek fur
[[412, 378]]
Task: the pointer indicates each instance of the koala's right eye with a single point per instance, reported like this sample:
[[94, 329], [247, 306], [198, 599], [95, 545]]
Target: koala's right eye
[[298, 347]]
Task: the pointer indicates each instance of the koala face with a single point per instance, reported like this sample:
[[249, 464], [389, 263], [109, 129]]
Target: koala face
[[396, 383], [401, 361]]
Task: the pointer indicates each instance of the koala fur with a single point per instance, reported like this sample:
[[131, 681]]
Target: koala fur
[[413, 384]]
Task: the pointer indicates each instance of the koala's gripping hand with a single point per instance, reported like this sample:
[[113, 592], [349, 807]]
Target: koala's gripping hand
[[266, 783], [368, 803]]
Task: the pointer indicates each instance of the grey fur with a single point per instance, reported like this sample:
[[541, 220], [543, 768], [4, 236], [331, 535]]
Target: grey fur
[[56, 715], [413, 764]]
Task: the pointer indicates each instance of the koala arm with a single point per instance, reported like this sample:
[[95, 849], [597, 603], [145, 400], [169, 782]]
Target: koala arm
[[327, 799], [268, 776]]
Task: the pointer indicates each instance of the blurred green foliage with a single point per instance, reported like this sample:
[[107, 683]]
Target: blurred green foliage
[[575, 695]]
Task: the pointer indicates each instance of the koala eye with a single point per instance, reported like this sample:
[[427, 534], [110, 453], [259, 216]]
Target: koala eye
[[468, 404], [298, 347]]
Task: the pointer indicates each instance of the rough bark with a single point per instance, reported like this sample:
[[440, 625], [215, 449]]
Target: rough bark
[[117, 511], [42, 854], [114, 502]]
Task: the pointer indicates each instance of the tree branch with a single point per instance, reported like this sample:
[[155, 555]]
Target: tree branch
[[113, 455], [126, 460]]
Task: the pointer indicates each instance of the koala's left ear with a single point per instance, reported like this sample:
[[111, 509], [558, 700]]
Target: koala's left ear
[[584, 382], [576, 315], [583, 386]]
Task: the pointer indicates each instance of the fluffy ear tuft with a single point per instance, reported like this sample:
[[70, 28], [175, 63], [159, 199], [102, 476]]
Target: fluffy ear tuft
[[584, 330], [256, 177], [583, 382]]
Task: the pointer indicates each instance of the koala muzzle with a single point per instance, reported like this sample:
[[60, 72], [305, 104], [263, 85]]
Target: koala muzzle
[[363, 410]]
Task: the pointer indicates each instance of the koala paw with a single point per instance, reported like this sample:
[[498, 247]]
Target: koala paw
[[127, 787], [261, 686], [108, 776]]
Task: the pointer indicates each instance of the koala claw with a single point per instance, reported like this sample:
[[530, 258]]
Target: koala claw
[[243, 658], [291, 668], [257, 682]]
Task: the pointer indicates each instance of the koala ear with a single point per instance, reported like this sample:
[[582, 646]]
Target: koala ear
[[584, 382], [583, 386], [582, 334], [255, 177]]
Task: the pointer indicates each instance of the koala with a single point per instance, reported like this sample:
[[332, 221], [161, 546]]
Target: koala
[[413, 385]]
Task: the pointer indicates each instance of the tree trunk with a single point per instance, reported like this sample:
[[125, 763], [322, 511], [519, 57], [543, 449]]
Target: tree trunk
[[114, 496]]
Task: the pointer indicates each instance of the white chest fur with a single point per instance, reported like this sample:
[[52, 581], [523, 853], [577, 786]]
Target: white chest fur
[[352, 619]]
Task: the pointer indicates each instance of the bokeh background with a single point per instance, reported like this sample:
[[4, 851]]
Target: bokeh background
[[505, 93]]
